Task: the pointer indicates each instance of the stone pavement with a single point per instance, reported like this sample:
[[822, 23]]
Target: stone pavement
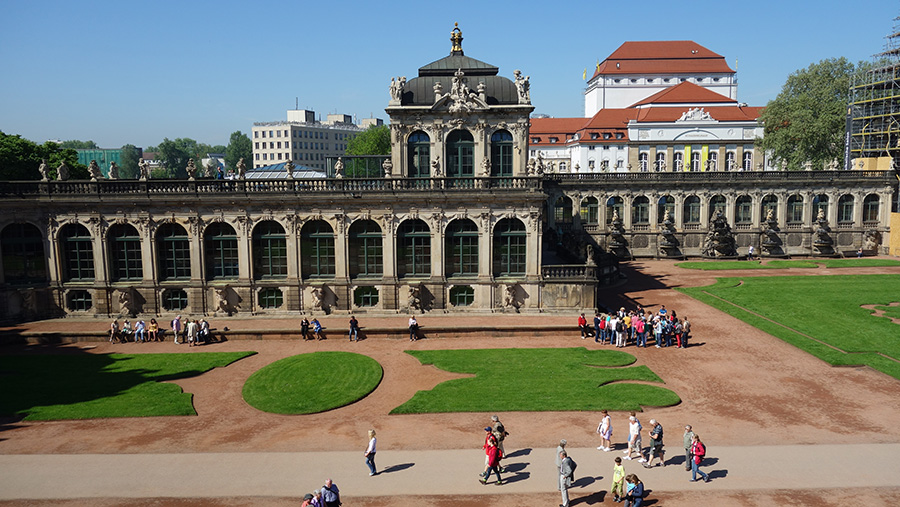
[[429, 472]]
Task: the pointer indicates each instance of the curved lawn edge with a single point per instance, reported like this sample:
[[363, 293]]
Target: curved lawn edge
[[312, 383]]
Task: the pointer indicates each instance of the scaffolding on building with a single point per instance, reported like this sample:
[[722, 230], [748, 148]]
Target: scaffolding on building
[[874, 124]]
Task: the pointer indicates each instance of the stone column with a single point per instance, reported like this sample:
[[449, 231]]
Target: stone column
[[670, 158], [388, 294], [341, 266], [245, 250], [485, 247]]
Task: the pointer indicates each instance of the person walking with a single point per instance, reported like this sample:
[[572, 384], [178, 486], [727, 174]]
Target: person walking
[[500, 434], [688, 442], [566, 473], [698, 452], [304, 329], [191, 332], [560, 448], [354, 329], [114, 332], [634, 497], [176, 328], [494, 455], [370, 454], [605, 431], [618, 478], [634, 438], [656, 444], [330, 494], [582, 324], [413, 329], [597, 323]]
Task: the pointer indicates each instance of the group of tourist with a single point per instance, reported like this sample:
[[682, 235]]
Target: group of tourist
[[193, 332], [494, 451], [311, 330], [328, 496], [635, 327]]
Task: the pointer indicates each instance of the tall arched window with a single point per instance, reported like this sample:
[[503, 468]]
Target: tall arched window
[[644, 161], [666, 202], [640, 211], [269, 251], [24, 261], [795, 209], [716, 203], [173, 252], [729, 161], [747, 162], [845, 209], [501, 153], [660, 160], [366, 256], [460, 154], [124, 253], [614, 206], [221, 252], [419, 155], [562, 211], [77, 253], [317, 249], [871, 209], [691, 210], [769, 203], [590, 211], [678, 163], [413, 249], [743, 210], [820, 202], [509, 247], [712, 161], [462, 248], [695, 161]]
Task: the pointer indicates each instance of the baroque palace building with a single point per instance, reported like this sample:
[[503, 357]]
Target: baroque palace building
[[480, 208]]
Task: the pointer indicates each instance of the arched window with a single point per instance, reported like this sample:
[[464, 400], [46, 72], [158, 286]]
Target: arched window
[[590, 211], [644, 161], [795, 209], [462, 248], [317, 249], [124, 253], [509, 247], [269, 251], [77, 253], [820, 202], [695, 161], [769, 203], [366, 256], [419, 155], [640, 211], [460, 154], [743, 210], [501, 153], [666, 202], [678, 163], [660, 160], [614, 206], [870, 208], [173, 252], [221, 252], [729, 161], [691, 210], [845, 209], [712, 161], [563, 167], [24, 261], [562, 211], [716, 203], [414, 249], [747, 162]]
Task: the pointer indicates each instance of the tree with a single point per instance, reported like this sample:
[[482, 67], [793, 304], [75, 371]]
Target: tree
[[20, 158], [174, 155], [376, 140], [129, 157], [239, 145], [79, 145], [806, 121]]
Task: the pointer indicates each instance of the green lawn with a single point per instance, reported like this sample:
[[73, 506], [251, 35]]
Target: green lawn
[[824, 307], [723, 265], [87, 386], [535, 380], [311, 383], [860, 263]]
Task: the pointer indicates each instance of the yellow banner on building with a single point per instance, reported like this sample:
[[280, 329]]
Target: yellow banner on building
[[686, 166]]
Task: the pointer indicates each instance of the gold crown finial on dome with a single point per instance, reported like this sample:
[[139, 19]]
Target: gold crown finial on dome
[[456, 39]]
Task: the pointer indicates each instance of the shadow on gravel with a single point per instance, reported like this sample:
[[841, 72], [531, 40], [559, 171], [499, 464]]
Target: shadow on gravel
[[520, 476], [615, 297], [585, 481], [520, 452], [515, 468], [591, 499], [397, 468]]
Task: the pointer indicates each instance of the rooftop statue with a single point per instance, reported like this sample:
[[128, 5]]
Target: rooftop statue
[[242, 169], [94, 170], [144, 169], [44, 170], [191, 169], [62, 172], [523, 87], [113, 171]]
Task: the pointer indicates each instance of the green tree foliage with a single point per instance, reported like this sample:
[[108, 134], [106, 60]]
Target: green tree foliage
[[79, 145], [239, 145], [128, 168], [376, 140], [174, 155], [20, 159], [806, 121]]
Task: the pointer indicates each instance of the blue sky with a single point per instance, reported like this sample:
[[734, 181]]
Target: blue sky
[[122, 71]]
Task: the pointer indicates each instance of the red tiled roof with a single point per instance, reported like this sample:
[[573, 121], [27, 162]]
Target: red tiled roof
[[662, 57], [685, 93]]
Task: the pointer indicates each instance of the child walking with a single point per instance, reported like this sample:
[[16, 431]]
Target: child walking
[[618, 484]]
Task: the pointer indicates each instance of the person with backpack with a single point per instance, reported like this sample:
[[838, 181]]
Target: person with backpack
[[494, 455], [566, 476], [500, 434], [698, 451], [331, 494]]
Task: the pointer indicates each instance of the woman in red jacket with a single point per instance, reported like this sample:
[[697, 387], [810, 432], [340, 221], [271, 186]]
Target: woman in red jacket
[[494, 455]]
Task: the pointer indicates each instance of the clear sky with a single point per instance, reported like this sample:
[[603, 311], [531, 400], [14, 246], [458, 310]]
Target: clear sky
[[124, 71]]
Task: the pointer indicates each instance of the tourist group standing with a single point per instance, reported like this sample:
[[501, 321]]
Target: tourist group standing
[[637, 327]]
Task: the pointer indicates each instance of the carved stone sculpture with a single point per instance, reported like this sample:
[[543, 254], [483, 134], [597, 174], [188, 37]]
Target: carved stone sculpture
[[523, 87], [113, 171], [539, 165], [719, 240], [126, 301], [318, 298], [29, 302], [44, 170], [530, 167], [94, 171], [208, 171], [241, 169], [485, 167], [436, 167], [396, 89], [339, 168], [871, 239], [191, 169], [510, 299], [388, 167], [822, 242], [414, 297], [289, 169], [62, 172], [144, 168], [222, 304]]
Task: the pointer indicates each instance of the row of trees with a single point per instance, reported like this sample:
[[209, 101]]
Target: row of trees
[[20, 158]]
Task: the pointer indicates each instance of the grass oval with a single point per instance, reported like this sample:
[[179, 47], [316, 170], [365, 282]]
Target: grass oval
[[312, 383]]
